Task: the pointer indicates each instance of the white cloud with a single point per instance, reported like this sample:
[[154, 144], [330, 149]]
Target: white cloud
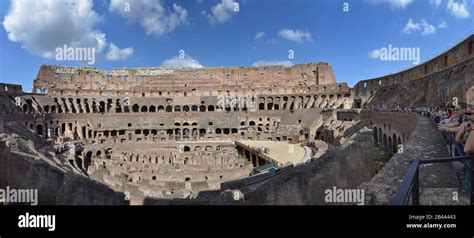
[[116, 53], [436, 2], [153, 16], [223, 11], [181, 62], [423, 26], [443, 24], [259, 35], [393, 3], [458, 9], [375, 54], [41, 27], [261, 63], [295, 35]]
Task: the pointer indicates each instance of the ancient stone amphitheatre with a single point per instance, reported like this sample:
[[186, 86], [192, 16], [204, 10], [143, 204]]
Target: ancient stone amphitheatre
[[233, 135]]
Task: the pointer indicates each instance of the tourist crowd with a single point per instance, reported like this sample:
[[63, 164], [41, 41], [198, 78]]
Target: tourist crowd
[[455, 124]]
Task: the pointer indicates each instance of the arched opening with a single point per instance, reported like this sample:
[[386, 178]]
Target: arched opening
[[161, 108], [202, 108], [169, 108], [177, 108], [270, 106], [88, 160], [194, 108], [186, 148], [394, 145], [39, 129], [101, 107], [108, 153], [152, 108], [375, 135], [202, 132], [135, 108], [144, 109], [389, 146], [25, 108], [210, 108], [186, 108], [380, 136]]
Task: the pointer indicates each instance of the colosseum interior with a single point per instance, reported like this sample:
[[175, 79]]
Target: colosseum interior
[[238, 135]]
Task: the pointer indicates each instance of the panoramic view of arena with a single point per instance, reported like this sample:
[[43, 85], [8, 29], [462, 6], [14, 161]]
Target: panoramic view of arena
[[122, 129], [243, 135]]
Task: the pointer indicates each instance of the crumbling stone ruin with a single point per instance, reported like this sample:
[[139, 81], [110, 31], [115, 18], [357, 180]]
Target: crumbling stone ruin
[[167, 133], [168, 136]]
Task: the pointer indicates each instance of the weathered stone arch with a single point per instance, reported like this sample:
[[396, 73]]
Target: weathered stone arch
[[135, 108]]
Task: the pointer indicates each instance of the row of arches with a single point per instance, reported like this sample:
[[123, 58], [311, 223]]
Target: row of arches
[[117, 105], [176, 108], [387, 141]]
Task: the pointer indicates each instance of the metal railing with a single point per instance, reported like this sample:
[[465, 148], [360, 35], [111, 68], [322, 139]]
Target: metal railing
[[409, 189]]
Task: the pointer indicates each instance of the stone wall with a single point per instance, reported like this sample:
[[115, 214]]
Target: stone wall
[[423, 141], [13, 89], [344, 167], [55, 187], [173, 82], [432, 83], [26, 163]]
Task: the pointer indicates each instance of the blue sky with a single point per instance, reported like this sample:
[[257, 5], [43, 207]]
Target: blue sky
[[213, 33]]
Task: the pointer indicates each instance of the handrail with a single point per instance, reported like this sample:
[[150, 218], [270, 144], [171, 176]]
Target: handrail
[[410, 182], [446, 159], [407, 185]]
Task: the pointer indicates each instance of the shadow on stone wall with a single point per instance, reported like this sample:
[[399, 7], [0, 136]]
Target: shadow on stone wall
[[424, 142], [55, 186]]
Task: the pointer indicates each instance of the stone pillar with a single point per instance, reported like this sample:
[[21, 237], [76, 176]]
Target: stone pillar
[[113, 108], [1, 126]]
